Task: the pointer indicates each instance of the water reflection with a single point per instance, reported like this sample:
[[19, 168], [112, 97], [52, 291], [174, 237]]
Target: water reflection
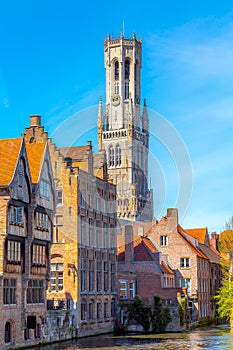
[[217, 338]]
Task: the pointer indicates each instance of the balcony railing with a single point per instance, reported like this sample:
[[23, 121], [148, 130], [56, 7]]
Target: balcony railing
[[58, 304]]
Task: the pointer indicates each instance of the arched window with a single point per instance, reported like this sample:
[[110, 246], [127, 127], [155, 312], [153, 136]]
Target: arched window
[[118, 155], [127, 69], [7, 332], [116, 70], [111, 156]]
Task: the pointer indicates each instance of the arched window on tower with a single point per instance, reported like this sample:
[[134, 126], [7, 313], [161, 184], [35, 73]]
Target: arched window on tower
[[111, 156], [116, 70], [127, 69], [118, 155]]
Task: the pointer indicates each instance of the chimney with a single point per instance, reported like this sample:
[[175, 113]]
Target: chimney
[[89, 145], [214, 238], [129, 244], [35, 120], [172, 216]]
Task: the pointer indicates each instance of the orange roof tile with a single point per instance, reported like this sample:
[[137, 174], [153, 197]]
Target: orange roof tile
[[35, 153], [195, 249], [198, 233], [9, 153]]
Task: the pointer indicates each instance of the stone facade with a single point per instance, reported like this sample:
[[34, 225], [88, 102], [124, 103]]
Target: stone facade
[[123, 129]]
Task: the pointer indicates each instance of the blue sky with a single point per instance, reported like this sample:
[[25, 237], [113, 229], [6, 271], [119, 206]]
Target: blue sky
[[51, 63]]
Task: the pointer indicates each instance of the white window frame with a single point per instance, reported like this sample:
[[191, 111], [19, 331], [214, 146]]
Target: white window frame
[[123, 288], [163, 241]]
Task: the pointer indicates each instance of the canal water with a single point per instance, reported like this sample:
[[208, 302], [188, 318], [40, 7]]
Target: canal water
[[216, 338]]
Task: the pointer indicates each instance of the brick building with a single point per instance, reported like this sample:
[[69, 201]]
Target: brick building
[[82, 289], [27, 197], [194, 260]]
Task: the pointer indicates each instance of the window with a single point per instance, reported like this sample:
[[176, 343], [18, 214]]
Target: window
[[7, 337], [112, 277], [132, 290], [184, 262], [91, 235], [82, 230], [9, 291], [38, 255], [91, 311], [83, 311], [44, 189], [163, 241], [17, 215], [42, 221], [186, 283], [97, 204], [13, 251], [59, 197], [98, 311], [105, 206], [91, 275], [111, 156], [82, 271], [105, 235], [56, 281], [126, 91], [90, 200], [112, 237], [98, 235], [35, 292], [116, 70], [82, 200], [105, 310], [117, 88], [105, 276], [118, 155], [123, 290], [58, 225], [98, 276], [127, 69]]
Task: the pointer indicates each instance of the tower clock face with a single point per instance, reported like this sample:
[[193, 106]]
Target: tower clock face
[[116, 100]]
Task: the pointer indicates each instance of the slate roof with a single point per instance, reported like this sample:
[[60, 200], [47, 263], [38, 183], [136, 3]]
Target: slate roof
[[77, 153]]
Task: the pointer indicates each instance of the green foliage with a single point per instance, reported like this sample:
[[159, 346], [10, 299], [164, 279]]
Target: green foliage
[[139, 313], [160, 316], [224, 299], [182, 311]]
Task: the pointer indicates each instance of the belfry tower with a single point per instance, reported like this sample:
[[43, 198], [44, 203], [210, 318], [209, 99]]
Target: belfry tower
[[123, 128]]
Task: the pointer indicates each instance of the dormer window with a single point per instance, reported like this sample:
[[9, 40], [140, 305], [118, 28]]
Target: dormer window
[[44, 188]]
